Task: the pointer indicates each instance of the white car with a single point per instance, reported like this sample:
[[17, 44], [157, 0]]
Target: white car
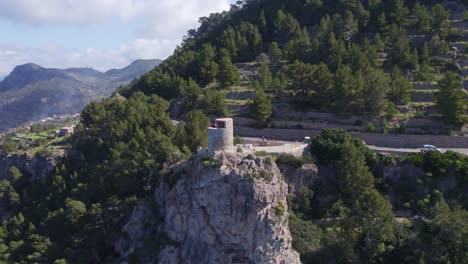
[[427, 148]]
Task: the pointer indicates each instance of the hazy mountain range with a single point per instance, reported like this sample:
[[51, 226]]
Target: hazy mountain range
[[31, 92]]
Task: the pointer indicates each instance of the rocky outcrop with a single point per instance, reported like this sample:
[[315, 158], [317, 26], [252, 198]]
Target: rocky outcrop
[[298, 178], [227, 208], [223, 208], [32, 166]]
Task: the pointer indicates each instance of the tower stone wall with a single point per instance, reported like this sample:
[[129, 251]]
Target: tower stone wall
[[221, 137]]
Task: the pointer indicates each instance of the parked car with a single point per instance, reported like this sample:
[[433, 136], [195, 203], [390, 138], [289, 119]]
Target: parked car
[[427, 148]]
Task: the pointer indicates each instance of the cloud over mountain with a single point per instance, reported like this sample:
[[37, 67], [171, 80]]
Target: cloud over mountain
[[154, 28]]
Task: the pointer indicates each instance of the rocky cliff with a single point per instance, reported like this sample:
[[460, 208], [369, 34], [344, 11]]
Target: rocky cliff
[[32, 166], [222, 208]]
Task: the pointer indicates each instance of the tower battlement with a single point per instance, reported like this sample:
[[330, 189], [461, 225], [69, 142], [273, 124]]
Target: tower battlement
[[221, 136]]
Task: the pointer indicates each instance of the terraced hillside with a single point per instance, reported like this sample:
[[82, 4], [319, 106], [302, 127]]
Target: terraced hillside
[[410, 92]]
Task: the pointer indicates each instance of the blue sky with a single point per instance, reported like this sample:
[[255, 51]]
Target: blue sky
[[102, 34]]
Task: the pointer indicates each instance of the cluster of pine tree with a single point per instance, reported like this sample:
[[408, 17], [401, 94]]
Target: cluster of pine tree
[[76, 214], [359, 226], [346, 57]]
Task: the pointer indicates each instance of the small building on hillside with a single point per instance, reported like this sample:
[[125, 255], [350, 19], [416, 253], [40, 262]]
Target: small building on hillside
[[65, 131], [221, 135]]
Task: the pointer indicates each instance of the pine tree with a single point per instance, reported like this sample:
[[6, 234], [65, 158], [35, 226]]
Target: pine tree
[[423, 19], [248, 41], [353, 174], [370, 221], [298, 48], [322, 85], [451, 100], [196, 130], [301, 76], [424, 73], [350, 25], [440, 21], [400, 88], [376, 86], [398, 11], [228, 39], [214, 103], [192, 93], [208, 66], [379, 44], [228, 73], [286, 26], [372, 218], [400, 51], [275, 53], [265, 76], [260, 108], [425, 56], [382, 24], [344, 85]]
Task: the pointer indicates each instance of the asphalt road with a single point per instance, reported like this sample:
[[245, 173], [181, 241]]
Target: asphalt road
[[374, 148], [412, 150]]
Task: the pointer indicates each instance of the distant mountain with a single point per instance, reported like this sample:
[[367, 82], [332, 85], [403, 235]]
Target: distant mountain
[[31, 92], [30, 73]]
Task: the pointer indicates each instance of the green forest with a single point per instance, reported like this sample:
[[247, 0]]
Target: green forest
[[344, 57]]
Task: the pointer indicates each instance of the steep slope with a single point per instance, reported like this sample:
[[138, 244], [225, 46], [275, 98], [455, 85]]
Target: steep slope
[[361, 58], [31, 92], [228, 208]]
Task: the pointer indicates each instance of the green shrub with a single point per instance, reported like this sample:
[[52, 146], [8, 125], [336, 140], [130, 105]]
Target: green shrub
[[306, 236], [238, 140], [15, 173], [8, 146], [289, 160], [390, 110], [239, 150], [266, 176], [370, 127], [261, 153], [280, 209], [307, 159], [327, 145]]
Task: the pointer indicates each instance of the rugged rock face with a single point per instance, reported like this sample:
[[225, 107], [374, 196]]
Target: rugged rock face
[[223, 208], [32, 166], [297, 178], [227, 209]]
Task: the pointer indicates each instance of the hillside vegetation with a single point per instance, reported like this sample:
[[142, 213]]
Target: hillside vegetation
[[346, 57]]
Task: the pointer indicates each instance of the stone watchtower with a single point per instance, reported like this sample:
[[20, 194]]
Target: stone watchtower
[[221, 136]]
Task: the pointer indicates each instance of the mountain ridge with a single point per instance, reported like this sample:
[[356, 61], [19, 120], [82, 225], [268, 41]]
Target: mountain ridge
[[32, 92], [11, 81]]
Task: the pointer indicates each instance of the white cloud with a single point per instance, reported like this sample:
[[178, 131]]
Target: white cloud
[[43, 12], [159, 26], [161, 18], [51, 56]]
